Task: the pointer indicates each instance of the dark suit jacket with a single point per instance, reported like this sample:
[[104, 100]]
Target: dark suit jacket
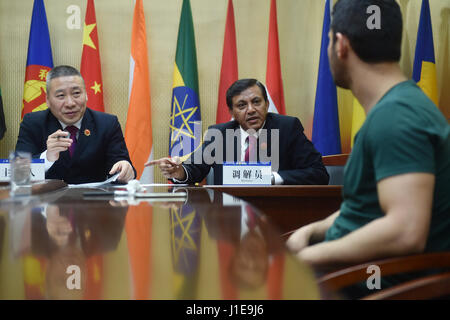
[[98, 226], [97, 150], [299, 161]]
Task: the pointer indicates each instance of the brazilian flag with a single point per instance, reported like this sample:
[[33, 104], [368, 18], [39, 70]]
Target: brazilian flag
[[2, 118], [185, 118]]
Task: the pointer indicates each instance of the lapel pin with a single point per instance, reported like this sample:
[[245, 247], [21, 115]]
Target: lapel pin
[[87, 132]]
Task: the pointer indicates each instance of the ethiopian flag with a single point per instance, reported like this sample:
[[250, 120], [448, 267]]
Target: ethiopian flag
[[424, 71], [185, 117]]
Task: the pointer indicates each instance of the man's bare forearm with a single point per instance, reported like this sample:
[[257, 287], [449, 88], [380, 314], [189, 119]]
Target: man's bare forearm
[[320, 227]]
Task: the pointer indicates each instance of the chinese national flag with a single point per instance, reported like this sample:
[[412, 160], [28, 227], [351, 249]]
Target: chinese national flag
[[90, 61]]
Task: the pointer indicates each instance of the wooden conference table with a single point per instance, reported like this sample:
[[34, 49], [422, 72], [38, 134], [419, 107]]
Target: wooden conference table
[[59, 243], [289, 207]]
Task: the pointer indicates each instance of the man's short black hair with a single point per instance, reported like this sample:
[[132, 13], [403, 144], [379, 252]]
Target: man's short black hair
[[61, 71], [240, 85], [350, 18]]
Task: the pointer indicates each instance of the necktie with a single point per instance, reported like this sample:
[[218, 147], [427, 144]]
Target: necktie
[[73, 135], [250, 153]]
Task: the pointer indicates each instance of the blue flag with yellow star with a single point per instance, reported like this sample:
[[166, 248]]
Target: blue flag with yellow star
[[185, 118]]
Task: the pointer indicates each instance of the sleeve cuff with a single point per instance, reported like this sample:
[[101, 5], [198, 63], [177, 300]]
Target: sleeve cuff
[[278, 179], [182, 181], [48, 164]]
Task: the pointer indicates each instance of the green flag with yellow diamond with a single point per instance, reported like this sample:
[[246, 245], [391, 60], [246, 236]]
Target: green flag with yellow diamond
[[185, 118]]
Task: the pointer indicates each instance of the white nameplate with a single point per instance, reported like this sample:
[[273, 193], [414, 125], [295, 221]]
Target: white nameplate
[[248, 174], [230, 201], [37, 170]]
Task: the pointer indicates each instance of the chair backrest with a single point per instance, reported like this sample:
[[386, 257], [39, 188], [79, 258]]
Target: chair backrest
[[425, 288], [335, 167], [337, 280]]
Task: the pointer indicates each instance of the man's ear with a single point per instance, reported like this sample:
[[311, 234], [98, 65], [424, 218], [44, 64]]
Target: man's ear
[[342, 45]]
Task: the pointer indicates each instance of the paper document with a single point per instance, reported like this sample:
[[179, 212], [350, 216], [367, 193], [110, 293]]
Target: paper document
[[94, 184], [135, 195]]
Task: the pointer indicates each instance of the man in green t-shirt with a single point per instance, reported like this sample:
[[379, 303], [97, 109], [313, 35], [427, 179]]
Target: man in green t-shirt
[[396, 194]]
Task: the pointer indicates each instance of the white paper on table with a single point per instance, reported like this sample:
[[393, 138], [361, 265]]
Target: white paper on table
[[94, 184]]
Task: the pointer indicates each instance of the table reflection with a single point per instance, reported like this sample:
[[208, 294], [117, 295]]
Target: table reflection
[[195, 248]]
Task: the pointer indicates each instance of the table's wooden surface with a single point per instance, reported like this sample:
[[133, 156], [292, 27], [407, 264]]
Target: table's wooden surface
[[197, 248], [289, 207]]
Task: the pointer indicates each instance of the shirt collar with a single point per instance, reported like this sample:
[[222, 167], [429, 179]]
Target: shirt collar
[[244, 133], [76, 124]]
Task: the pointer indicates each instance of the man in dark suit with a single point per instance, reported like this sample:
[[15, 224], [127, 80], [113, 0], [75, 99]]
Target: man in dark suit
[[277, 136], [79, 145]]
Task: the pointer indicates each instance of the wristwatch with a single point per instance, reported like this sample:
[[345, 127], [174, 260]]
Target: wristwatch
[[272, 178]]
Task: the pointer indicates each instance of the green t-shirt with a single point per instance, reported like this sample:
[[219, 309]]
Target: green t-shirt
[[403, 133]]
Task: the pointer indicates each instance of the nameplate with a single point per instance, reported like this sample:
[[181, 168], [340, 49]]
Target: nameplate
[[37, 170], [231, 201], [247, 173]]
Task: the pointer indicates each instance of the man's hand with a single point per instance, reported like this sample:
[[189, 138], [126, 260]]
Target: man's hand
[[310, 234], [57, 142], [125, 169], [299, 239], [170, 168]]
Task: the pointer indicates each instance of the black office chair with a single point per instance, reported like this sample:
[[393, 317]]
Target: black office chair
[[335, 167]]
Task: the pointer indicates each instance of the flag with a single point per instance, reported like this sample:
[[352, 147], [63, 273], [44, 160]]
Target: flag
[[91, 69], [34, 270], [275, 277], [138, 137], [326, 134], [94, 277], [185, 244], [91, 72], [424, 71], [2, 118], [138, 128], [358, 117], [185, 118], [185, 138], [138, 227], [274, 81], [226, 251], [228, 75], [229, 70], [39, 61]]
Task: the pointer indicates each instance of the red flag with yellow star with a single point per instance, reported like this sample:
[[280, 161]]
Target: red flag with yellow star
[[90, 60]]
